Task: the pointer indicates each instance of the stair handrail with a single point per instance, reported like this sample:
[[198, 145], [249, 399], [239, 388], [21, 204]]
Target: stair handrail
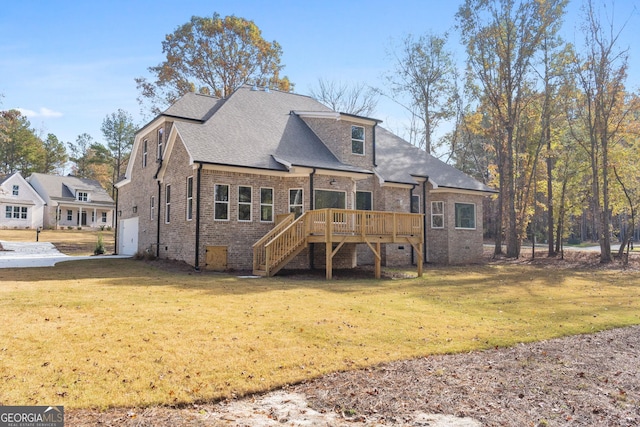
[[259, 247], [285, 242]]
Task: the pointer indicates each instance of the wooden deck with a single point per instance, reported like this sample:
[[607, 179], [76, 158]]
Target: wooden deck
[[337, 227]]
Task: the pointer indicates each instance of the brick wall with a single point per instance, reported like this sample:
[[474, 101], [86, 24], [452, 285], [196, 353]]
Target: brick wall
[[337, 137]]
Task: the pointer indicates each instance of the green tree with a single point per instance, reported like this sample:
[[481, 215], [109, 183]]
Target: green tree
[[20, 148], [55, 155], [119, 131], [424, 72], [212, 55], [87, 157]]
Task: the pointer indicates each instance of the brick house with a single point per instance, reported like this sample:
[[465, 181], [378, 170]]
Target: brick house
[[222, 183]]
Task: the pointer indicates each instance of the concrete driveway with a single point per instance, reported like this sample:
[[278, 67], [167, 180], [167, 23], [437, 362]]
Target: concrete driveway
[[38, 254]]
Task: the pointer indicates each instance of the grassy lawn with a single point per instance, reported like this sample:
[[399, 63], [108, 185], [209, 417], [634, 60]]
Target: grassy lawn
[[70, 242], [104, 333]]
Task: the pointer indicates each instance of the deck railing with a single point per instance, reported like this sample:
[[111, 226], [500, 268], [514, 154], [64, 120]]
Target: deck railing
[[365, 223], [259, 251], [288, 237]]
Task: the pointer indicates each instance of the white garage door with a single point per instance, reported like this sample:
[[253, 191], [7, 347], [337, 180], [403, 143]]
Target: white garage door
[[128, 236]]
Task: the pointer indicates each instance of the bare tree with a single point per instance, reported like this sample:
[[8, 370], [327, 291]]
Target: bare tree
[[358, 99], [424, 72]]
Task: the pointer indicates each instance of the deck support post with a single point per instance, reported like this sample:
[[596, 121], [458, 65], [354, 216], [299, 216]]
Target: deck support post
[[378, 261]]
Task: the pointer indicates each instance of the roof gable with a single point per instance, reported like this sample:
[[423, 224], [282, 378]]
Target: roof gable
[[66, 187]]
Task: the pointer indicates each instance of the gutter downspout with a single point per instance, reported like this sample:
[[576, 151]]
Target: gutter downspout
[[413, 254], [424, 226], [313, 206], [374, 144], [114, 220], [158, 230], [198, 177]]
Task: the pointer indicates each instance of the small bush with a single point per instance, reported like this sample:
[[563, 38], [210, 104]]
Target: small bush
[[100, 249], [108, 228]]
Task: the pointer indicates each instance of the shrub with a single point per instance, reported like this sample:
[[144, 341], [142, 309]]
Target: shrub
[[100, 249]]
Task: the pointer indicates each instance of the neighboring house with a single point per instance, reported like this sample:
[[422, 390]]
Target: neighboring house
[[73, 202], [219, 183], [20, 204]]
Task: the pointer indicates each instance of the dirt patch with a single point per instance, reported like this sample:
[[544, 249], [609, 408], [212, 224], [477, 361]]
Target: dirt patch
[[586, 380]]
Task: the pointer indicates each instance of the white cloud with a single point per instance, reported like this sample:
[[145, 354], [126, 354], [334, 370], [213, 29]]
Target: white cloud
[[43, 112]]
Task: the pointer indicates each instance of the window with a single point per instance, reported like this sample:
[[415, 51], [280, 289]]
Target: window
[[364, 200], [295, 201], [93, 216], [330, 199], [16, 212], [244, 203], [145, 148], [83, 196], [221, 202], [167, 204], [266, 204], [104, 217], [69, 215], [16, 190], [152, 207], [357, 140], [189, 198], [437, 214], [465, 215], [160, 142], [415, 203]]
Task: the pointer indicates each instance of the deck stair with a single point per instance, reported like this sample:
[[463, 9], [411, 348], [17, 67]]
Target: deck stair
[[336, 227]]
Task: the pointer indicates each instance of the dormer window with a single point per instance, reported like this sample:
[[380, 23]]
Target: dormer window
[[357, 140], [83, 196], [16, 190], [160, 142]]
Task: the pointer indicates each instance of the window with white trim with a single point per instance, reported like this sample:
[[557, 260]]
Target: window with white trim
[[357, 140], [244, 203], [69, 215], [16, 212], [83, 196], [364, 200], [167, 204], [221, 202], [145, 152], [160, 143], [104, 217], [465, 215], [152, 207], [15, 190], [189, 198], [296, 199], [437, 214], [266, 204]]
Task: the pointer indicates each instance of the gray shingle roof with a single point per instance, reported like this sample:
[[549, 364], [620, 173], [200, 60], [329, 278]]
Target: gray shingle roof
[[259, 129], [194, 106], [63, 187], [253, 128], [398, 161]]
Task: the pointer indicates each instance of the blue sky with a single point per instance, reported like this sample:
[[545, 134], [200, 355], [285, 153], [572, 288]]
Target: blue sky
[[68, 64]]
